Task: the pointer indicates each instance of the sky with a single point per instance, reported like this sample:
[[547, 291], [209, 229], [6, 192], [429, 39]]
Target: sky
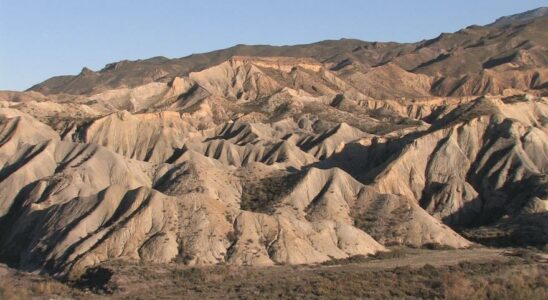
[[44, 38]]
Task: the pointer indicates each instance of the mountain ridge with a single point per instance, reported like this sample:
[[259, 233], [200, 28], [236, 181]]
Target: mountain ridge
[[328, 52]]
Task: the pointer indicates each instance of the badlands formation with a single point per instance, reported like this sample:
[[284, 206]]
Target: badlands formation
[[263, 155]]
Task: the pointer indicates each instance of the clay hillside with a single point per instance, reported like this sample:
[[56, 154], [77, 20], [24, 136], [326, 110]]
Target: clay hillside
[[266, 155]]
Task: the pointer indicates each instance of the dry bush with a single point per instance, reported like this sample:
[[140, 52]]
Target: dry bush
[[457, 287], [32, 289], [263, 195], [8, 292], [437, 246], [348, 260], [215, 274], [514, 283], [392, 254]]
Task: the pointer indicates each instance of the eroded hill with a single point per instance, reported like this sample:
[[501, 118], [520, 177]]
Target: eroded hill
[[261, 155]]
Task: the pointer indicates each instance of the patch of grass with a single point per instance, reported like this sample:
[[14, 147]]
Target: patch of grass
[[12, 293], [528, 255], [207, 275], [23, 286]]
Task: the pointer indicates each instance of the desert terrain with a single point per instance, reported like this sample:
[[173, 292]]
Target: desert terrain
[[339, 169]]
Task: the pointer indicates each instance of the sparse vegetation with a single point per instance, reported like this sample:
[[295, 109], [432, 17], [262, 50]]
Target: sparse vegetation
[[437, 246], [349, 260], [27, 286], [355, 277], [519, 275], [263, 195], [385, 228], [394, 253]]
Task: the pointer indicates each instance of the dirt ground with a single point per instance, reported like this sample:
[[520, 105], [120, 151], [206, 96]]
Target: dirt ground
[[404, 273]]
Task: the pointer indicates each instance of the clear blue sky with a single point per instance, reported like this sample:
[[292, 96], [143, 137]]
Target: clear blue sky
[[43, 38]]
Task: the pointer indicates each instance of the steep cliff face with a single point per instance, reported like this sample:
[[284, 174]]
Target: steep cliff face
[[320, 151]]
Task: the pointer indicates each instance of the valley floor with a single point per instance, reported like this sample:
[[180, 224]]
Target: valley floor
[[403, 273]]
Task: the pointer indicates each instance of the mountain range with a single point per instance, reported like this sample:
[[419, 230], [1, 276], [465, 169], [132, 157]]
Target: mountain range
[[264, 155]]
